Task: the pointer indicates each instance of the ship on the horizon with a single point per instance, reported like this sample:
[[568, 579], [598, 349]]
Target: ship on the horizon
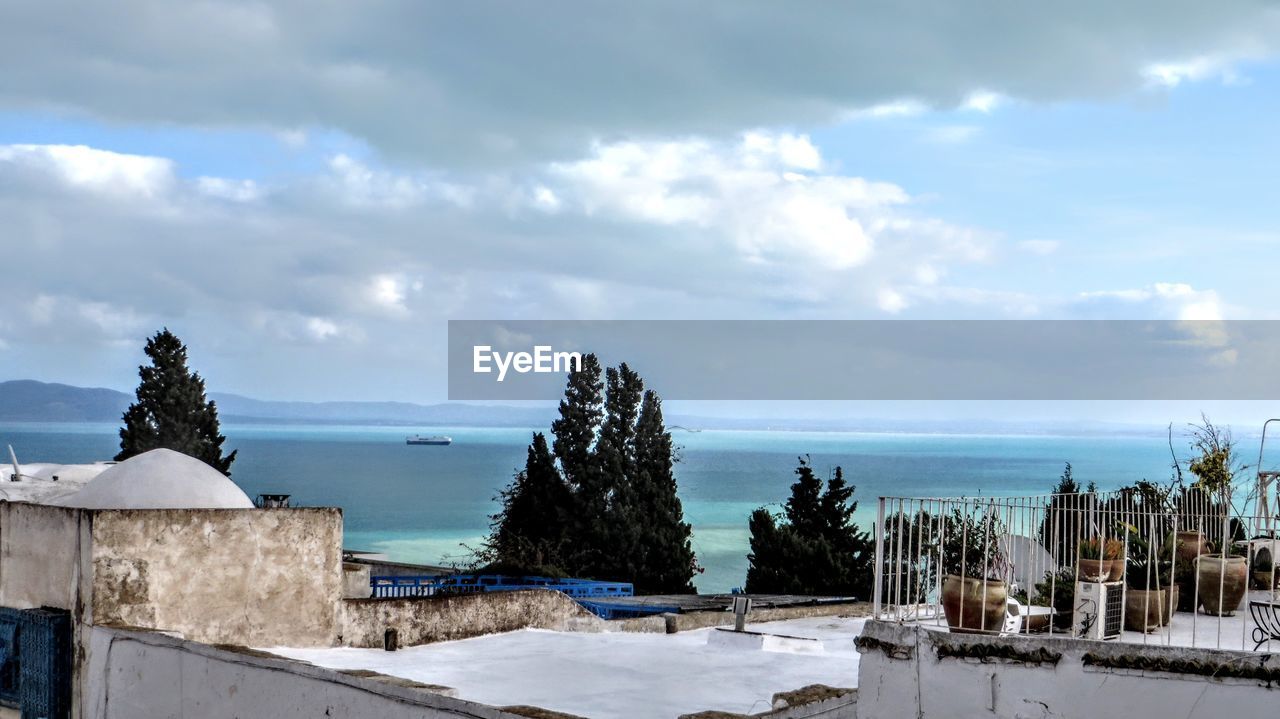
[[438, 439]]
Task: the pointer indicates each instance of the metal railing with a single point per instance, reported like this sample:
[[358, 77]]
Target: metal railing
[[427, 586], [1015, 564]]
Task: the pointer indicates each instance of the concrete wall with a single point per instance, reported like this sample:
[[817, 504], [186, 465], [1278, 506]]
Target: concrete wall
[[386, 568], [909, 672], [700, 620], [43, 555], [238, 576], [422, 620], [142, 675]]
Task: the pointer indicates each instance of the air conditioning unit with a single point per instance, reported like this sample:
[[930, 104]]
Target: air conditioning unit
[[1099, 610]]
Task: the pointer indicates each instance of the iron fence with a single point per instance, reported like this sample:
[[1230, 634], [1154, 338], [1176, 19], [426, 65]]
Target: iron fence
[[1082, 564]]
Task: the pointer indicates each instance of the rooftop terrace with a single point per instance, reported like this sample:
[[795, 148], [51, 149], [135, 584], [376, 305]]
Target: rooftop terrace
[[622, 674]]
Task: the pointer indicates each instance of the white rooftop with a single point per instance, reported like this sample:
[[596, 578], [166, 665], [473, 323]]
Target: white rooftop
[[617, 674], [43, 482], [159, 479]]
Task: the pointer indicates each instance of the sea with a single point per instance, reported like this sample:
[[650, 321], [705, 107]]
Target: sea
[[430, 504]]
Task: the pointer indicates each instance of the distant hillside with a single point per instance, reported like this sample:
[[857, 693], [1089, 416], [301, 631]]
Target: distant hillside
[[31, 401], [26, 400]]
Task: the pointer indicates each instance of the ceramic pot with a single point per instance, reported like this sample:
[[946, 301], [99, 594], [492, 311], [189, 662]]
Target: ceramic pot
[[974, 605], [1146, 610], [1190, 544], [1223, 583], [1101, 570]]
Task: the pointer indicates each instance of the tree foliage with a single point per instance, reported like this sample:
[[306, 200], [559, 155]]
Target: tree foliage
[[602, 502], [171, 410], [813, 547]]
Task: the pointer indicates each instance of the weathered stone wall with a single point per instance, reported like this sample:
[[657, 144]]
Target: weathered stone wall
[[143, 675], [43, 555], [423, 620], [238, 576], [911, 672], [355, 581]]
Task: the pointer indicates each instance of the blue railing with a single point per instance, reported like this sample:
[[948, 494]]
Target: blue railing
[[607, 610], [428, 586], [588, 592]]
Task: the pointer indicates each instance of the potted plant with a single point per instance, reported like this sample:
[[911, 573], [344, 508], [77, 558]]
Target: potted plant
[[1223, 581], [1101, 561], [1264, 575], [974, 591], [1058, 590], [1151, 594]]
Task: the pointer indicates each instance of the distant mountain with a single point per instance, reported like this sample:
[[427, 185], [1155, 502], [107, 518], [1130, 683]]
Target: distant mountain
[[26, 400], [31, 401]]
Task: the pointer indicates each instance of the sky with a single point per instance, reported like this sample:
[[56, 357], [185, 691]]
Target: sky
[[307, 193]]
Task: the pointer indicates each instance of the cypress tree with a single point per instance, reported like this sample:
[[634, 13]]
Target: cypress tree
[[663, 552], [609, 510], [528, 534], [574, 432], [804, 507], [580, 413], [172, 410], [611, 518]]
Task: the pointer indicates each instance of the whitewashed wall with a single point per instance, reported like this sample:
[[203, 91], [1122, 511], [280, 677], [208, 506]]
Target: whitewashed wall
[[143, 675], [901, 675]]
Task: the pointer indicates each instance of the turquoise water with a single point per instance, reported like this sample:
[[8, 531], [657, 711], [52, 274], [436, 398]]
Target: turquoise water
[[425, 504]]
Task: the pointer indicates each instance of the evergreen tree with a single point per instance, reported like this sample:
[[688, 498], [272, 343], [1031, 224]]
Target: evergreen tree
[[664, 555], [814, 548], [804, 507], [608, 509], [1063, 523], [528, 533], [612, 521], [171, 410], [580, 413]]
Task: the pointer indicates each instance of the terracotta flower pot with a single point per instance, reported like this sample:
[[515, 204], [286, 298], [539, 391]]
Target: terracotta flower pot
[[1223, 583], [1146, 610], [974, 605], [1263, 578], [1101, 570], [1191, 544]]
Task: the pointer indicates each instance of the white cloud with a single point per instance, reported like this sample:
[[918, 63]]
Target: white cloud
[[1161, 300], [754, 228], [881, 111], [891, 301], [233, 190], [389, 292], [100, 171], [321, 328], [68, 314], [982, 101], [746, 195], [1173, 74], [409, 92]]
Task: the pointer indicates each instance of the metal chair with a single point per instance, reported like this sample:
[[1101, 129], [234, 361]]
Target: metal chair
[[1266, 618]]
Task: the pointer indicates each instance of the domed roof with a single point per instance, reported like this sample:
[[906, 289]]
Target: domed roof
[[159, 479]]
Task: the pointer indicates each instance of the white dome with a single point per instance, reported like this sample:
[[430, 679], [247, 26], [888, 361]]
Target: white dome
[[159, 479]]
